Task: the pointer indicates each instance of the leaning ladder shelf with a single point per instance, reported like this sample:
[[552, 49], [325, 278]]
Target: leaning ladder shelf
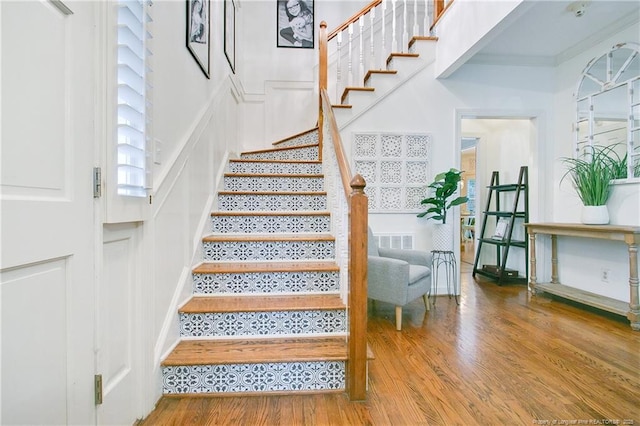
[[505, 221]]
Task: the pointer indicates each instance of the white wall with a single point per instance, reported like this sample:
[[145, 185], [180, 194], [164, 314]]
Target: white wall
[[581, 261], [425, 105], [196, 121], [280, 84]]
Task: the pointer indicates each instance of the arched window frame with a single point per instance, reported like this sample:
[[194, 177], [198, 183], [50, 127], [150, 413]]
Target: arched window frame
[[594, 82]]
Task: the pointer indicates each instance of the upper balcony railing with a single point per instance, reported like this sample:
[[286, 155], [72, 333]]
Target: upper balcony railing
[[365, 40]]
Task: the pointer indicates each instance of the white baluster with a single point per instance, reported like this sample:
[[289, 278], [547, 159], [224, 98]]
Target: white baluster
[[394, 41], [405, 30], [339, 69], [383, 54], [427, 19], [372, 59], [350, 67], [416, 27], [361, 52]]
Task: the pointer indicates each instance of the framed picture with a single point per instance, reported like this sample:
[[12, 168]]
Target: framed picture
[[230, 33], [198, 32], [295, 23]]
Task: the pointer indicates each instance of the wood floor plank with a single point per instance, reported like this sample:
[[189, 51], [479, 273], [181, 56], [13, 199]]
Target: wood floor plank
[[501, 357]]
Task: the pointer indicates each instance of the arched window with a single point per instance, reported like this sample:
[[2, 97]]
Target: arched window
[[608, 106]]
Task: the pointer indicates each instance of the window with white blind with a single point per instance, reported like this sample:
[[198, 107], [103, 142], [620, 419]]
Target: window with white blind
[[134, 105]]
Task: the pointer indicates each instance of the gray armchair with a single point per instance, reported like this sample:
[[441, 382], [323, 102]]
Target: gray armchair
[[398, 276]]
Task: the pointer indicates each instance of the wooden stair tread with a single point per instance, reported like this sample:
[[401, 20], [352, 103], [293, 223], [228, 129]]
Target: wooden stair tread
[[268, 237], [249, 160], [346, 91], [248, 267], [315, 129], [274, 175], [402, 55], [416, 38], [272, 193], [272, 213], [262, 303], [205, 352], [371, 72], [284, 148]]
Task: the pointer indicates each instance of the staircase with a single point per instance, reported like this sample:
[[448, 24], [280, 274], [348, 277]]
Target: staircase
[[266, 314]]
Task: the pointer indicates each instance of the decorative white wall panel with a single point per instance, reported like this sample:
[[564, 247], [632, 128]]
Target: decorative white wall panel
[[395, 167], [34, 358]]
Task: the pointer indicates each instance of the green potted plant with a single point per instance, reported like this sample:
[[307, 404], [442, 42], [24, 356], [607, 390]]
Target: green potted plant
[[591, 176], [444, 188]]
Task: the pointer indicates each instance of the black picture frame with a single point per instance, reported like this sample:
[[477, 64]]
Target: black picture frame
[[199, 32], [230, 33], [295, 24]]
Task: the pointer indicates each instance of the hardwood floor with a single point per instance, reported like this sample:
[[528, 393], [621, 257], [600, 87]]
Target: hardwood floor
[[502, 357]]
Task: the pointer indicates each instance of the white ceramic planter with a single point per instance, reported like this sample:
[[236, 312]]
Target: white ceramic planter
[[443, 237], [595, 215]]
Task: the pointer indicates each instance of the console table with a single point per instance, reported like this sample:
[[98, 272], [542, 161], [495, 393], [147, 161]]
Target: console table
[[630, 235]]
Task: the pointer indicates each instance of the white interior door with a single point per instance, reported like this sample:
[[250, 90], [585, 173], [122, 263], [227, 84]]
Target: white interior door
[[47, 222]]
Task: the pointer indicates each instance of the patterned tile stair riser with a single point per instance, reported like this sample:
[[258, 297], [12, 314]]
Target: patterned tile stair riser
[[271, 202], [256, 251], [273, 184], [305, 153], [266, 282], [278, 323], [306, 138], [274, 223], [254, 378], [275, 168], [287, 215]]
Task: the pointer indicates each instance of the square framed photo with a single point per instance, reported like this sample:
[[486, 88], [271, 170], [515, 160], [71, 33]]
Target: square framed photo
[[230, 33], [295, 23], [198, 32]]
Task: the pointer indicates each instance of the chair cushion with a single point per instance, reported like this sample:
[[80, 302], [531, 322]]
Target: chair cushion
[[418, 272]]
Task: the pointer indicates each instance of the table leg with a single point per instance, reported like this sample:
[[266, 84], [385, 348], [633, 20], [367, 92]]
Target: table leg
[[634, 300], [554, 259], [532, 262]]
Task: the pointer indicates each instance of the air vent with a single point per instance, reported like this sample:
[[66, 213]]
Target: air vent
[[395, 240]]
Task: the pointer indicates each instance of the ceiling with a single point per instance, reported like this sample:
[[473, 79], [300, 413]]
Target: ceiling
[[548, 31]]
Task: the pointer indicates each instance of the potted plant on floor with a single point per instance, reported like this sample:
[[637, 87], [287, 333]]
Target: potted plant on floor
[[444, 187], [591, 176]]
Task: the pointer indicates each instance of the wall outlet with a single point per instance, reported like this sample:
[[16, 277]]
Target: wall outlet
[[604, 275]]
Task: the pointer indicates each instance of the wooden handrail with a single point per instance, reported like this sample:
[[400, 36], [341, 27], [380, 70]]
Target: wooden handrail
[[343, 164], [354, 18]]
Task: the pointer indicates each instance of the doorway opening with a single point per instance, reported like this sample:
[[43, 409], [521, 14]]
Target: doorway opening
[[490, 144]]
